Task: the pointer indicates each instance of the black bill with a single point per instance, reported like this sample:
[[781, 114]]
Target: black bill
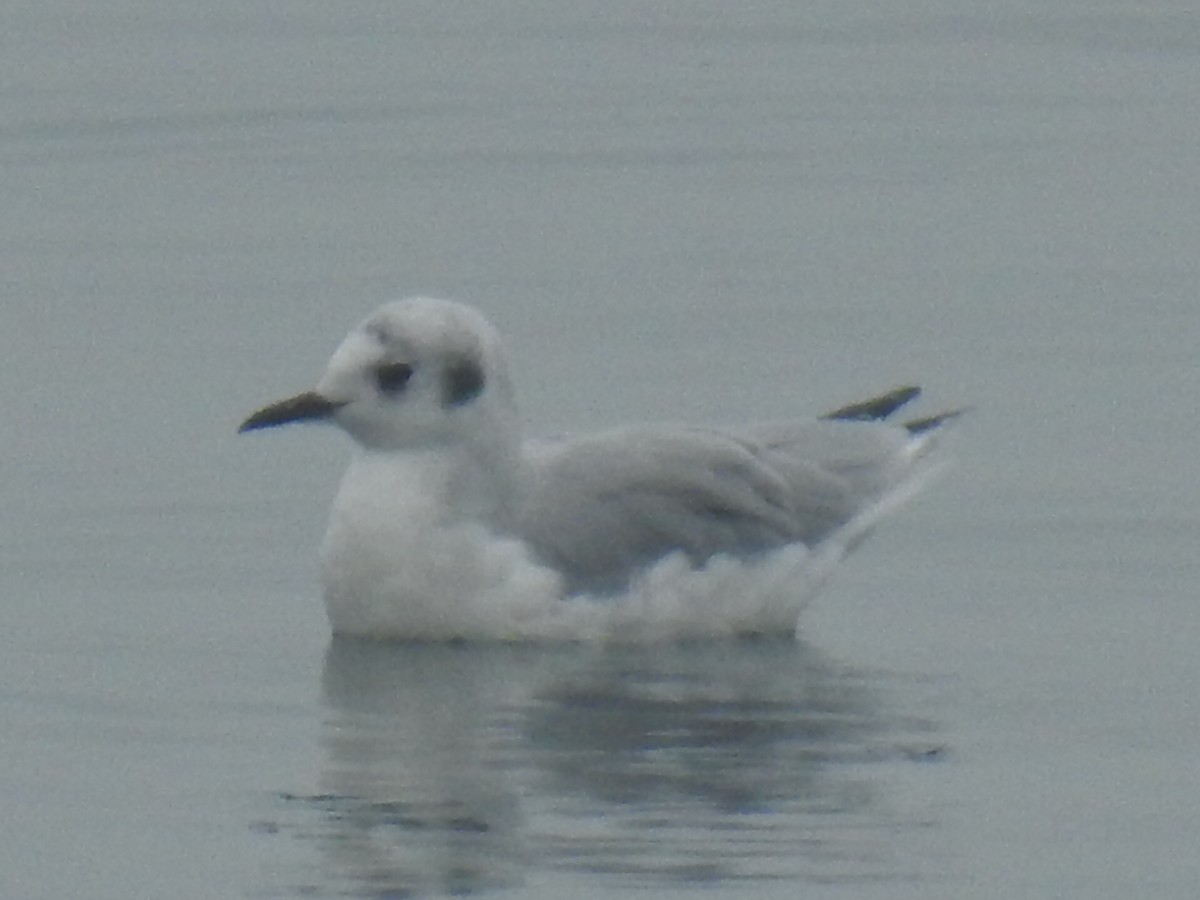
[[301, 408]]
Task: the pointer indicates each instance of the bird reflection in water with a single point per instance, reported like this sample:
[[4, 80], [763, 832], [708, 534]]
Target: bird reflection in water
[[455, 768]]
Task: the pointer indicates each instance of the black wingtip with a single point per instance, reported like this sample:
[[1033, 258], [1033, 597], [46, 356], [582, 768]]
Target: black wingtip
[[877, 407], [929, 423]]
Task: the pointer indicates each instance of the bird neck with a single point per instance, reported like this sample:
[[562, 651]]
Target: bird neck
[[438, 485]]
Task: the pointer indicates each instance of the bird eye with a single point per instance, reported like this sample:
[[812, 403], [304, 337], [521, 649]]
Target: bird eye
[[392, 377]]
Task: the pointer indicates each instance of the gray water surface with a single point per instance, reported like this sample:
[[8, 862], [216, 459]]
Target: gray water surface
[[707, 212]]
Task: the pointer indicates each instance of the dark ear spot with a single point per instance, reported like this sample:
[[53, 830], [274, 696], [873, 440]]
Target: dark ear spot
[[462, 381]]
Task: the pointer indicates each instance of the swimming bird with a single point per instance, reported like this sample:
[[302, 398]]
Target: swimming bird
[[448, 524]]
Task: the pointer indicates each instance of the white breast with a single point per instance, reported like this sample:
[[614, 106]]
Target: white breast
[[398, 561]]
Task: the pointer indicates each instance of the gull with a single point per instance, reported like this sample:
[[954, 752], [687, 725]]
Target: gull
[[449, 525]]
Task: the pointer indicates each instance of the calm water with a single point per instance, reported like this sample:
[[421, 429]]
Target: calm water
[[702, 211]]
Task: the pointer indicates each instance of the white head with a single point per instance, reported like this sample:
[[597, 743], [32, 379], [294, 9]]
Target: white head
[[417, 374]]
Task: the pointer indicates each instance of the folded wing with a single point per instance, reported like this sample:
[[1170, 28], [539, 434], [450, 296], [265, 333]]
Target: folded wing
[[601, 508]]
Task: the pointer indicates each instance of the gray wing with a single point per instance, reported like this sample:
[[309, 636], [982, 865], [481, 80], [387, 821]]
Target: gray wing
[[600, 508]]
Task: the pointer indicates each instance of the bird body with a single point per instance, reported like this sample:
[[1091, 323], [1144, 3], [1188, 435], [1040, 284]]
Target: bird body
[[448, 525]]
